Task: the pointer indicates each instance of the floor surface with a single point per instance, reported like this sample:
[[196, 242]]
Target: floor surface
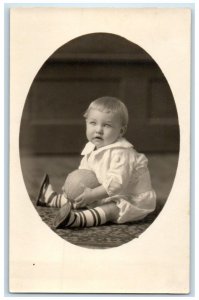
[[162, 168]]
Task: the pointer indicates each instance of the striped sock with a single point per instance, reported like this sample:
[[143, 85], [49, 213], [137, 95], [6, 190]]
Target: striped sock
[[86, 218], [52, 199]]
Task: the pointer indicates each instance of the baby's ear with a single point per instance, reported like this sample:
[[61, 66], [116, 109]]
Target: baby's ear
[[123, 130]]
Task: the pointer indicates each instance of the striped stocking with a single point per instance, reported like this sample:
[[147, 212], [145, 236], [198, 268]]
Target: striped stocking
[[85, 218], [48, 197]]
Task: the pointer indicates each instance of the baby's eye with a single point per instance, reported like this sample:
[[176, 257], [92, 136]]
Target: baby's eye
[[107, 125], [92, 123]]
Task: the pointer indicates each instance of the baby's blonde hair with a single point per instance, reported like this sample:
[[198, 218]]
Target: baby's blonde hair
[[110, 104]]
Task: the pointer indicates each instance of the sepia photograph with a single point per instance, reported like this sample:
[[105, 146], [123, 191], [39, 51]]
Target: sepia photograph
[[99, 150], [102, 89]]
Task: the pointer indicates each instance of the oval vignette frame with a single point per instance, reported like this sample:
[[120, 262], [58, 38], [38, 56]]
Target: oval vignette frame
[[52, 127]]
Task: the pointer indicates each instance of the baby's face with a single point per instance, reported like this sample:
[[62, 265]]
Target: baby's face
[[103, 128]]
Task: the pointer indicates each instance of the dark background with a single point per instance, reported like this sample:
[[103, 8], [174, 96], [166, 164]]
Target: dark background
[[52, 132], [84, 69]]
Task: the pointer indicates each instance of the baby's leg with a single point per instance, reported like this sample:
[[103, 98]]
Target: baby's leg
[[111, 211], [66, 217], [48, 197]]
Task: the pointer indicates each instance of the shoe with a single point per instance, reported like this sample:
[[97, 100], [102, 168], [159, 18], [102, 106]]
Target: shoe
[[44, 184], [63, 216]]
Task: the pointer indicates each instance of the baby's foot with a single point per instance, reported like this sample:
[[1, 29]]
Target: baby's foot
[[64, 217], [43, 188]]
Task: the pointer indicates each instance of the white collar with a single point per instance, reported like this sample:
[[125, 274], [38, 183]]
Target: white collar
[[120, 143]]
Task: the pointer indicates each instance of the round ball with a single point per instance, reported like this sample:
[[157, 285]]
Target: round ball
[[76, 182]]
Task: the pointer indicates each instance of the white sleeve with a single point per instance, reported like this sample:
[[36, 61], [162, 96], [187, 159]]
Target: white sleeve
[[84, 164], [120, 171]]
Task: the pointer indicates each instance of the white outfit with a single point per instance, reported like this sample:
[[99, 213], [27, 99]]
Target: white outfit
[[124, 174]]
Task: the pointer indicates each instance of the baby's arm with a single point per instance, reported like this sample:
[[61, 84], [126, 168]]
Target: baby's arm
[[115, 181], [90, 195]]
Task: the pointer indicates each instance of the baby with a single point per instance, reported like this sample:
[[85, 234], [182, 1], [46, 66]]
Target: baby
[[125, 193]]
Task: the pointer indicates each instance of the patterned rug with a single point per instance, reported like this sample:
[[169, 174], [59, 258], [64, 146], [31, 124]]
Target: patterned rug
[[101, 237], [108, 235]]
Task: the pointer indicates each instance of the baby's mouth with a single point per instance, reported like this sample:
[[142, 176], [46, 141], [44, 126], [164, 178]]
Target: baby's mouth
[[97, 138]]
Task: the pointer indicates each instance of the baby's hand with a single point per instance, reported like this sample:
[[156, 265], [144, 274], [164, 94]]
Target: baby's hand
[[84, 199]]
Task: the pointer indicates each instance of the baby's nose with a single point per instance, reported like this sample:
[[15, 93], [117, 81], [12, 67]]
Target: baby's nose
[[99, 129]]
